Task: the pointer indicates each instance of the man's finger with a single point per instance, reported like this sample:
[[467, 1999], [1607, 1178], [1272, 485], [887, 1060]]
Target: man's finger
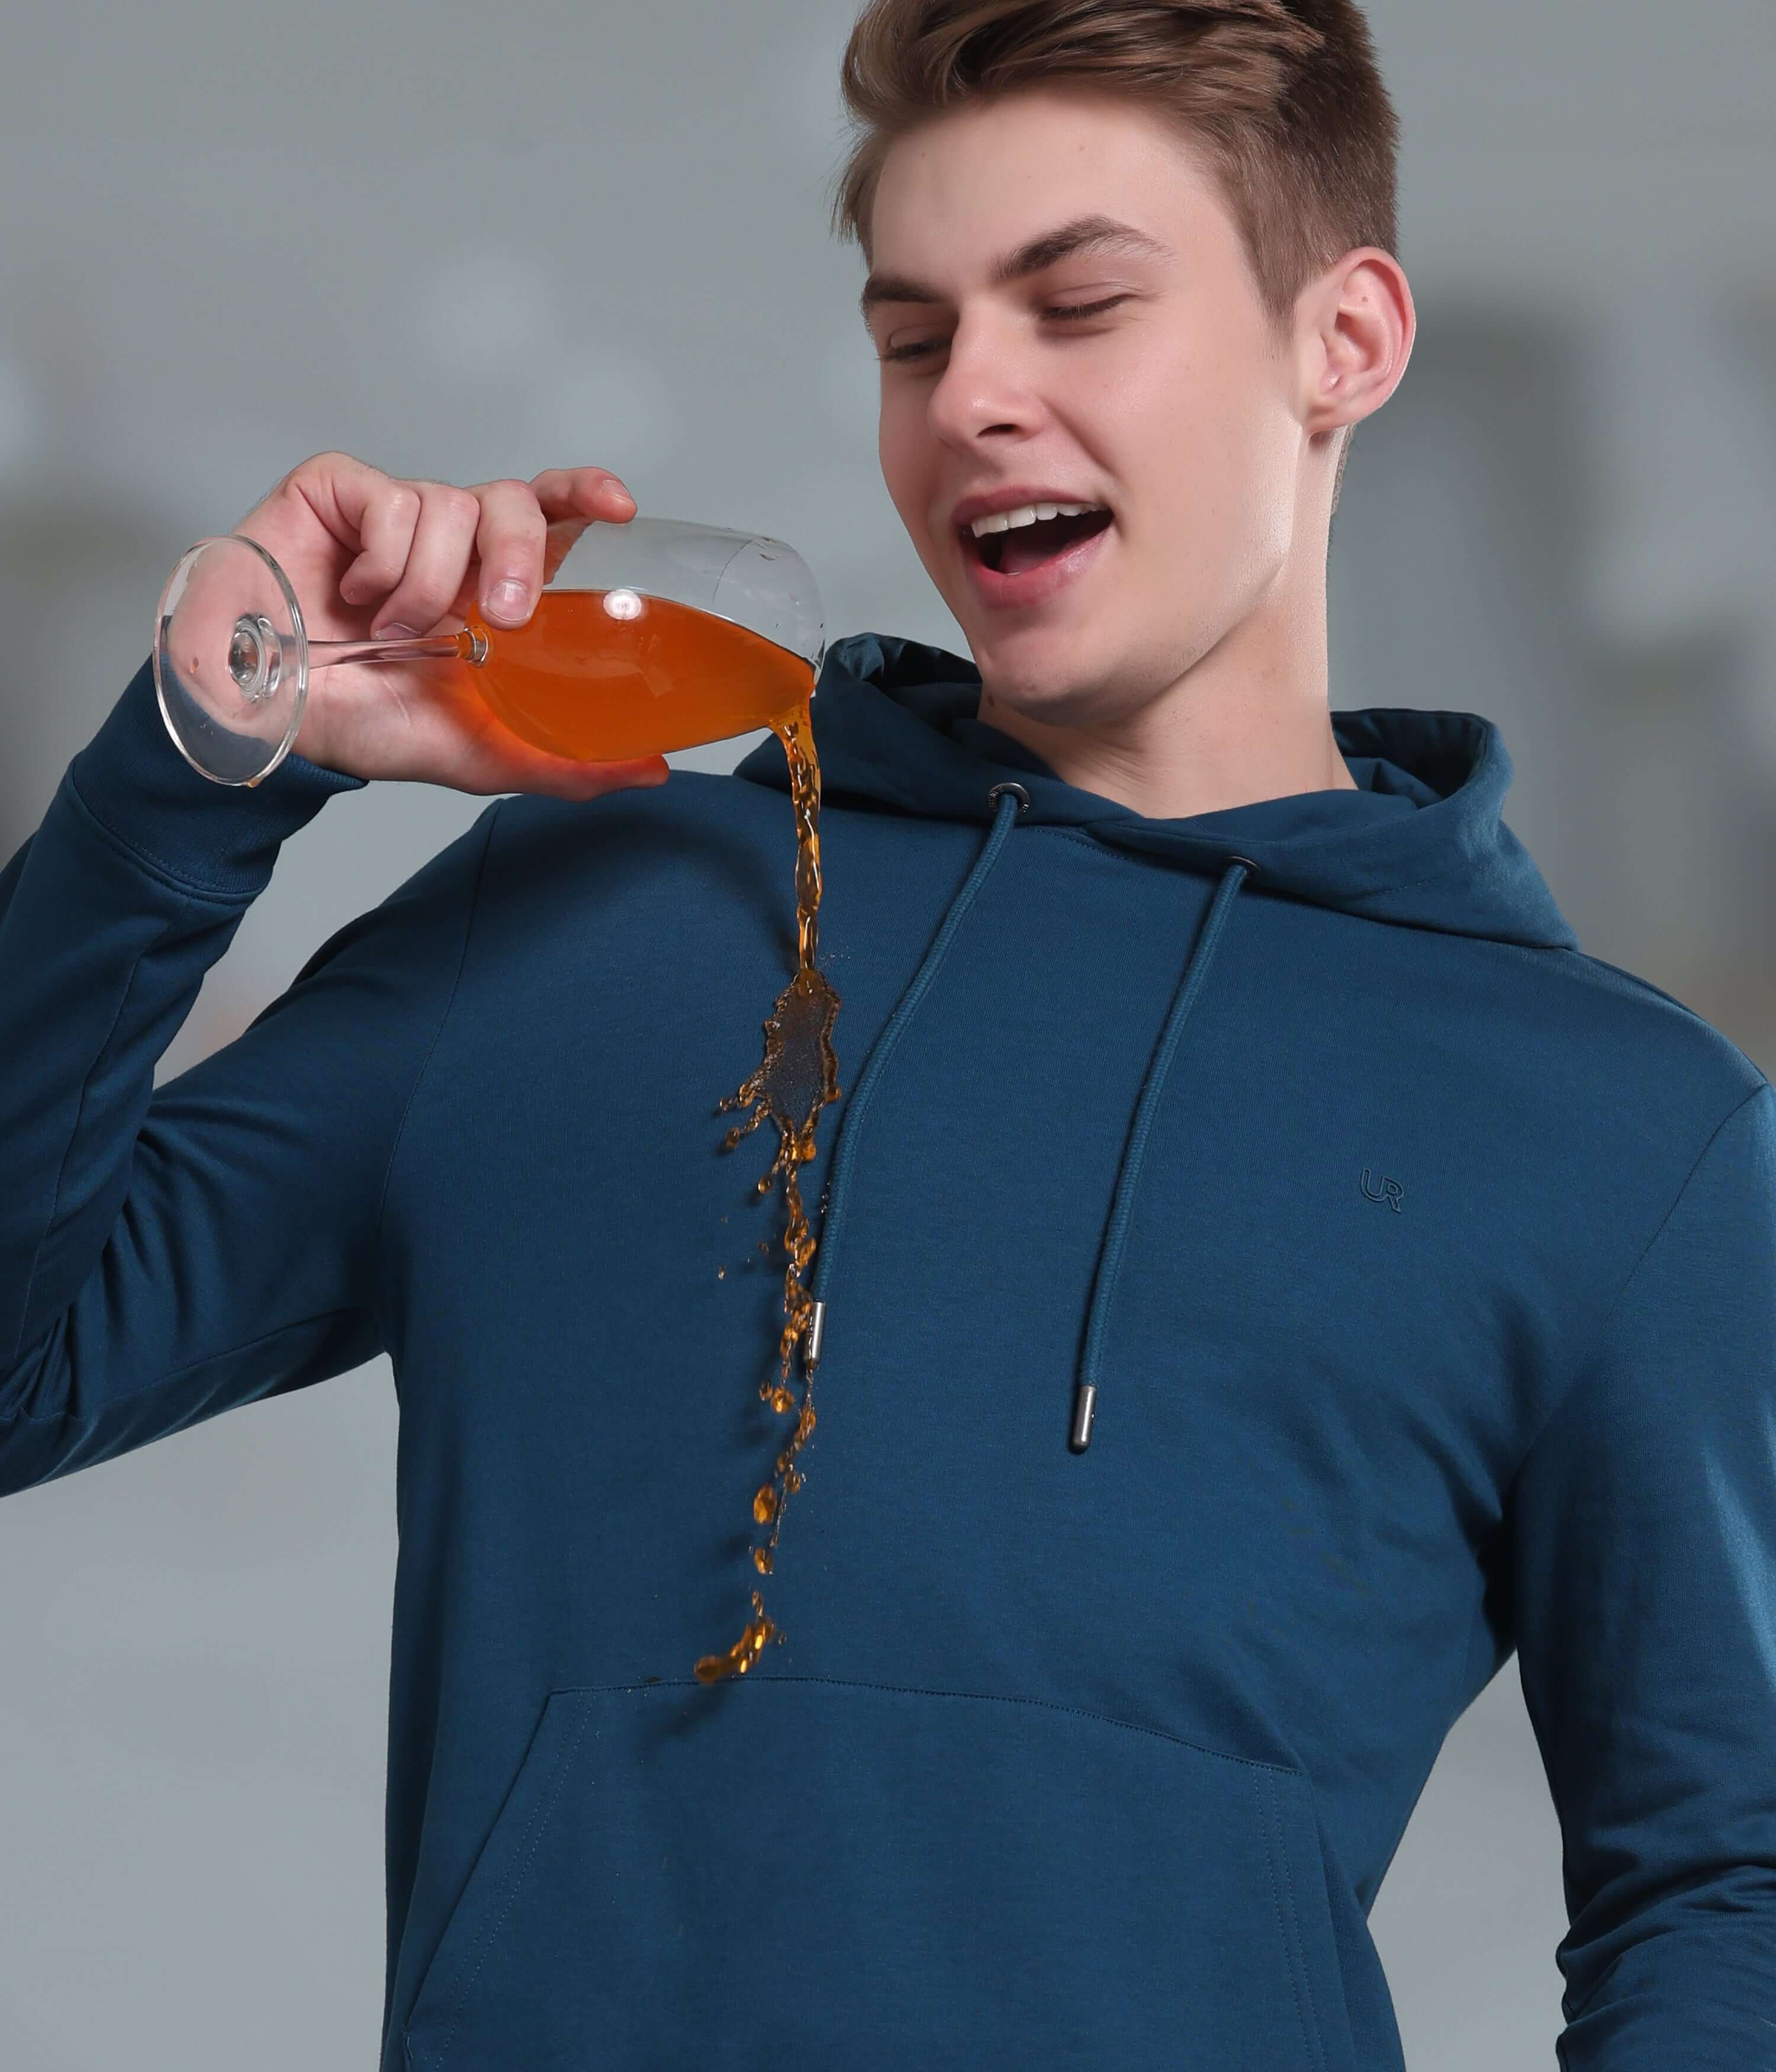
[[508, 545], [386, 522], [342, 492], [437, 562], [559, 542], [582, 492]]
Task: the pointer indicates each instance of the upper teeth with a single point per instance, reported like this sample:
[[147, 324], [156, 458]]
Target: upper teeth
[[1027, 514]]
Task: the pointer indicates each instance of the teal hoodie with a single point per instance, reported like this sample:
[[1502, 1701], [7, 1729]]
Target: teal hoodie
[[1269, 1275]]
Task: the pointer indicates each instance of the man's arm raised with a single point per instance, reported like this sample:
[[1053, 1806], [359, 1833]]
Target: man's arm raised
[[164, 1255]]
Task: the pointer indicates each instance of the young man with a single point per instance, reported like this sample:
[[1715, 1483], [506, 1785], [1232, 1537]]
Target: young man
[[1272, 1274]]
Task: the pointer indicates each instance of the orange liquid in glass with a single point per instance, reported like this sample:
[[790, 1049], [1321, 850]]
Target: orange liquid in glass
[[605, 675]]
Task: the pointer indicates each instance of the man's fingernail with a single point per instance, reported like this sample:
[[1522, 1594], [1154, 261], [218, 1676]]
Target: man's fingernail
[[508, 599], [395, 632]]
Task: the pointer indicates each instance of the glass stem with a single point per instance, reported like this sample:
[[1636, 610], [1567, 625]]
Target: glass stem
[[467, 646]]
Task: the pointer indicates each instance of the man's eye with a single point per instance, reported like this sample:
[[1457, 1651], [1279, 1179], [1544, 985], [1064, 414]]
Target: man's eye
[[1083, 309], [1064, 311]]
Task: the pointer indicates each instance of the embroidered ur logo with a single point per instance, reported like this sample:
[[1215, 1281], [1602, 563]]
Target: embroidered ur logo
[[1389, 1191]]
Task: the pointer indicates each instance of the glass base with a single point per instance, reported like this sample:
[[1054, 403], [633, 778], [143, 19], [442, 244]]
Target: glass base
[[230, 660]]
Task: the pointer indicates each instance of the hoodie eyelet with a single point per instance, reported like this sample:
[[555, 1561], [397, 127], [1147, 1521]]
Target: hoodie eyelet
[[1017, 792]]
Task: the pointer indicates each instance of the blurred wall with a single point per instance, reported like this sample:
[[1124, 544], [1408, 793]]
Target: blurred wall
[[465, 243]]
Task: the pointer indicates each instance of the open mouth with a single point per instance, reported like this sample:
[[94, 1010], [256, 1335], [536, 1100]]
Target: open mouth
[[1020, 548]]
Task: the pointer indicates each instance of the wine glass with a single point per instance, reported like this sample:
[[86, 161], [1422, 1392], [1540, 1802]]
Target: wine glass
[[651, 635]]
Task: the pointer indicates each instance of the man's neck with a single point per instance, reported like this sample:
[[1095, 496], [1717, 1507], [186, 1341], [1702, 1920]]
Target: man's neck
[[1249, 722]]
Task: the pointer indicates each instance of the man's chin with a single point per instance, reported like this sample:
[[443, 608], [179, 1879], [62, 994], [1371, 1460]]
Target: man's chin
[[1049, 698]]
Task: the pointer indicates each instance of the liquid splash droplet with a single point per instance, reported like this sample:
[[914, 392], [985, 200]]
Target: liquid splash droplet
[[760, 1629]]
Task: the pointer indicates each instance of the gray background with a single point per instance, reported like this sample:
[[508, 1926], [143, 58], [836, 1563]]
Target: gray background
[[468, 242]]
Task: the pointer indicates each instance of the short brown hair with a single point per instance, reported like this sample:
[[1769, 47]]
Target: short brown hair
[[1283, 98]]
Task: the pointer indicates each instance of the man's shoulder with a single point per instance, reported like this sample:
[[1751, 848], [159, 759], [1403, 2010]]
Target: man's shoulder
[[662, 863], [1634, 1036]]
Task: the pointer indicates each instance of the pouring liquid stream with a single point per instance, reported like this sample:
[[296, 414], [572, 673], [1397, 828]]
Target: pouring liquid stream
[[603, 674], [796, 1077]]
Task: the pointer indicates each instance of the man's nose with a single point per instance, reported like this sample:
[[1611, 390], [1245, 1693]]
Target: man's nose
[[983, 389]]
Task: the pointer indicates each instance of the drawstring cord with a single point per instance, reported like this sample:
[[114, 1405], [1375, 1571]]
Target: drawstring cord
[[1103, 1286], [1009, 801]]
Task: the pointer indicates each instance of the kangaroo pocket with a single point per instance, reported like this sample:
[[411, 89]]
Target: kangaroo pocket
[[810, 1874]]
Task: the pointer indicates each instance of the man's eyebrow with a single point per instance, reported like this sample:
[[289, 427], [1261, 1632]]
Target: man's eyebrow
[[1085, 233]]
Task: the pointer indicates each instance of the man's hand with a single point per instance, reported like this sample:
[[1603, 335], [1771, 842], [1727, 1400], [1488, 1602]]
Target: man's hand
[[368, 554]]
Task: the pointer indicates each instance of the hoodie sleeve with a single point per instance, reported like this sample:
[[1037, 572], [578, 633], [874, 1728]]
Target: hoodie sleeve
[[1646, 1589], [166, 1255]]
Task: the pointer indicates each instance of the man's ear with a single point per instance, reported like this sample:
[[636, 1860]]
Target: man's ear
[[1354, 327]]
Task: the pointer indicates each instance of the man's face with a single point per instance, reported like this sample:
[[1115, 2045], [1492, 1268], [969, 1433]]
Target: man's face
[[1171, 406]]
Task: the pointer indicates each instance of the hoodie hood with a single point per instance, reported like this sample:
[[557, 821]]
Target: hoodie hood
[[1420, 841]]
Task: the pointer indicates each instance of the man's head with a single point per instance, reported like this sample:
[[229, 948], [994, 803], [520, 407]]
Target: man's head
[[1193, 371]]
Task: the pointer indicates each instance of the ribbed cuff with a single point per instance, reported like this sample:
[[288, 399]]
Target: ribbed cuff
[[216, 838]]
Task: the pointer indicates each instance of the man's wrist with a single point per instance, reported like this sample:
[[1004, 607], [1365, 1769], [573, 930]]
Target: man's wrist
[[219, 838]]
